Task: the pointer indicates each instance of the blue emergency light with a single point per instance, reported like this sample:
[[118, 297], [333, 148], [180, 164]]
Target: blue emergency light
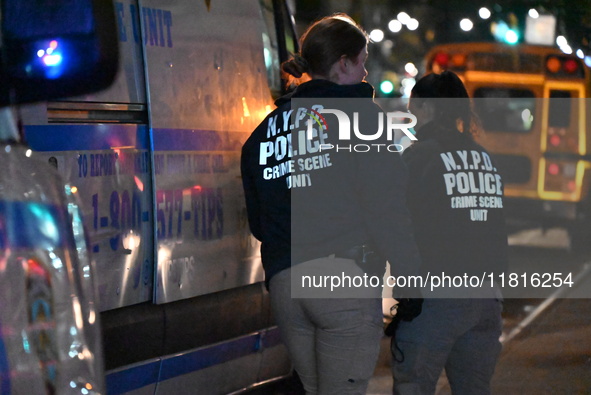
[[50, 60], [62, 50]]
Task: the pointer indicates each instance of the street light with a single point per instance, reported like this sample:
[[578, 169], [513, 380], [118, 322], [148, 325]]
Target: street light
[[412, 24], [403, 17], [395, 26], [533, 13], [411, 69], [484, 13], [376, 35], [567, 49], [466, 24]]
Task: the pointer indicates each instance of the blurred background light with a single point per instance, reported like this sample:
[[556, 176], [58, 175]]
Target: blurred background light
[[566, 49], [561, 41], [484, 13], [511, 37], [533, 13], [407, 85], [395, 26], [466, 24], [376, 35], [403, 17], [411, 69], [387, 87], [412, 24]]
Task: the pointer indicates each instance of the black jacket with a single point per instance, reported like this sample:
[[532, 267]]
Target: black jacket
[[455, 196], [304, 205]]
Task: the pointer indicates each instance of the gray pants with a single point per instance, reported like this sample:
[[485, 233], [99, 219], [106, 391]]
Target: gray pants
[[460, 335], [334, 344]]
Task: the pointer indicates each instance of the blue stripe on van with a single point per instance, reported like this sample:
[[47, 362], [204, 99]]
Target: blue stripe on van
[[52, 138], [85, 137], [197, 140], [133, 378], [140, 376], [215, 355]]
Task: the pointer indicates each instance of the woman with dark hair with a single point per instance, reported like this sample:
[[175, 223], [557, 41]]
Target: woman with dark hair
[[455, 196], [317, 209]]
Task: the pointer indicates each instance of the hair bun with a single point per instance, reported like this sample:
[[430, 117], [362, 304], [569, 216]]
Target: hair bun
[[296, 66], [301, 63]]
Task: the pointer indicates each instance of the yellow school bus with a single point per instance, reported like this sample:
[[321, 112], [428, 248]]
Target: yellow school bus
[[531, 101]]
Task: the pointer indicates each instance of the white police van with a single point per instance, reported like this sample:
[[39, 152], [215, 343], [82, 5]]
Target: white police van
[[153, 161]]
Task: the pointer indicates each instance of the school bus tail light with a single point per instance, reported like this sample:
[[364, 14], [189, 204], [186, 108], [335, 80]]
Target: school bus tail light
[[560, 139], [564, 139], [560, 177], [553, 169], [564, 66], [553, 64], [441, 58], [555, 140], [448, 61], [570, 66]]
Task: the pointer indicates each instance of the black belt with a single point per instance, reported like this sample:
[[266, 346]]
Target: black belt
[[358, 253]]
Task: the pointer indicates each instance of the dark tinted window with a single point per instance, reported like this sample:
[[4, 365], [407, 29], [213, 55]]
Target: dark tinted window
[[505, 109], [560, 109]]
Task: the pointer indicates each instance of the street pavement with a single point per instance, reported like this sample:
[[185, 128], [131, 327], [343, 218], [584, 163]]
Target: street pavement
[[551, 355]]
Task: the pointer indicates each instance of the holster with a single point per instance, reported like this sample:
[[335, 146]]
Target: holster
[[365, 257]]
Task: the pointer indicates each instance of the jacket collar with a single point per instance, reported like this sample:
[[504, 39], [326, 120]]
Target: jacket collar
[[323, 88], [435, 131]]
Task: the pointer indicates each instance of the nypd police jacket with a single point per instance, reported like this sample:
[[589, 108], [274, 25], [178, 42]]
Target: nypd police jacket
[[310, 194]]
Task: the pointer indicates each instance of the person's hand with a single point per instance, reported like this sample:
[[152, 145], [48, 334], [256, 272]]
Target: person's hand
[[407, 309]]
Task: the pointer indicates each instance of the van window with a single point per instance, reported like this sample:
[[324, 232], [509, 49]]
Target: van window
[[505, 109], [271, 48], [279, 40], [291, 42]]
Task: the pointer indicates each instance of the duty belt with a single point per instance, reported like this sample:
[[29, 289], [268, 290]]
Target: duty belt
[[359, 253]]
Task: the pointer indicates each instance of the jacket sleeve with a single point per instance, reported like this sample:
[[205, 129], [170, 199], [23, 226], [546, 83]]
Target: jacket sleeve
[[250, 194]]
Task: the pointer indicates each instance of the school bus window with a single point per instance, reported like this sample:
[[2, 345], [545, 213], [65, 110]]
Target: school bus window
[[505, 62], [560, 109], [505, 109]]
